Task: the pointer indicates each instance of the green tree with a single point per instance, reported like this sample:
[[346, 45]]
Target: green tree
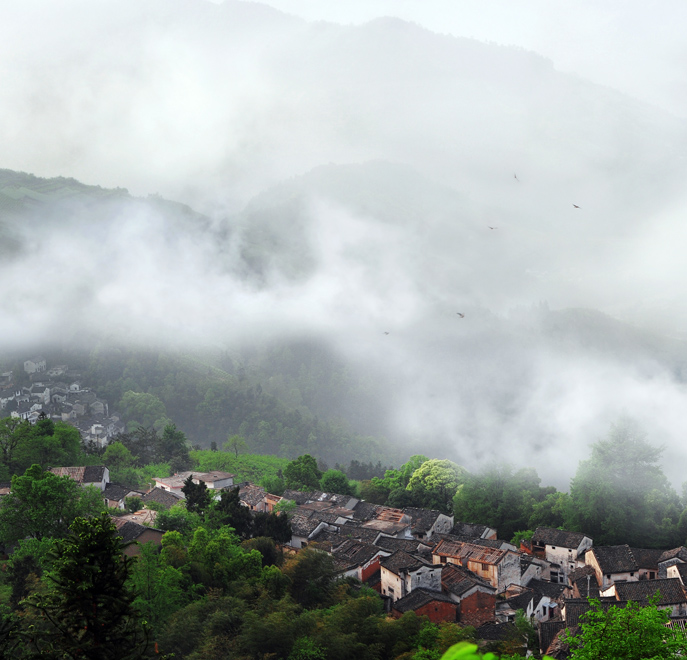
[[335, 481], [117, 457], [435, 482], [198, 497], [41, 504], [237, 444], [620, 494], [312, 574], [9, 439], [172, 447], [142, 409], [626, 633], [302, 474], [500, 498], [228, 510], [89, 609]]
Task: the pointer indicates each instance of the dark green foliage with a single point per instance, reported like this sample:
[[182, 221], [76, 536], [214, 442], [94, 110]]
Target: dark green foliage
[[147, 446], [500, 498], [88, 611], [302, 474], [197, 496], [274, 525], [228, 510], [267, 548], [335, 481], [312, 576]]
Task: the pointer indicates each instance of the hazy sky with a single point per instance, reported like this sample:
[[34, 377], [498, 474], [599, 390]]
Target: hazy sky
[[381, 176], [635, 46]]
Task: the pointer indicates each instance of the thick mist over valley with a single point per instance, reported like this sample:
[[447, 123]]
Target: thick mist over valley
[[490, 247]]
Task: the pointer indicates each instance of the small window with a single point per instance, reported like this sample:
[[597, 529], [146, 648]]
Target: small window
[[608, 577], [485, 567], [443, 560], [553, 547], [632, 574], [652, 575]]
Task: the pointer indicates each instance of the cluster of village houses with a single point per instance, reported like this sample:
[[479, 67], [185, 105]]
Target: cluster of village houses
[[417, 559], [424, 561], [59, 394]]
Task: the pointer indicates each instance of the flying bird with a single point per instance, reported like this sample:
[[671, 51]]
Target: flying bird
[[576, 206], [386, 333], [492, 227], [515, 176], [462, 316]]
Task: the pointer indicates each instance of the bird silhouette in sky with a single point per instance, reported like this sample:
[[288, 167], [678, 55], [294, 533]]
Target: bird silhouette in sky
[[492, 227], [576, 206], [462, 316], [386, 333], [515, 176]]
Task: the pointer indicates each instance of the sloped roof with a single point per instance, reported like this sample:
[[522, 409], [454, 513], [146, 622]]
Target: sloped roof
[[355, 553], [551, 590], [365, 510], [495, 631], [162, 496], [407, 545], [615, 558], [403, 562], [469, 551], [130, 531], [458, 580], [252, 495], [548, 631], [117, 492], [419, 598], [422, 519], [647, 557], [89, 474], [670, 590], [303, 525], [355, 530], [557, 537], [469, 530], [676, 553], [520, 601]]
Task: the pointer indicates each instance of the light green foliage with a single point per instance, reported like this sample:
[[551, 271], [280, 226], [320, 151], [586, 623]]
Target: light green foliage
[[393, 480], [285, 506], [626, 633], [335, 481], [523, 535], [117, 456], [435, 483], [178, 519], [42, 504], [620, 494], [159, 587], [236, 444], [246, 467]]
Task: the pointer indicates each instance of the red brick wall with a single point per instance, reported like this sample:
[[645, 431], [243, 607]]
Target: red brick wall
[[437, 611], [370, 569], [477, 608]]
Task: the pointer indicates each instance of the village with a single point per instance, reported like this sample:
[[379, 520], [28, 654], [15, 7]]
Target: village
[[424, 561], [416, 559]]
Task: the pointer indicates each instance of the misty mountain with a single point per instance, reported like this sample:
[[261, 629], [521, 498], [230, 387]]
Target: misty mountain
[[350, 189]]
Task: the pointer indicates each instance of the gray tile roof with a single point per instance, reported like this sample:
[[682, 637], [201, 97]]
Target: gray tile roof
[[407, 545], [676, 553], [163, 497], [470, 530], [422, 519], [557, 537], [670, 589], [458, 580], [402, 562]]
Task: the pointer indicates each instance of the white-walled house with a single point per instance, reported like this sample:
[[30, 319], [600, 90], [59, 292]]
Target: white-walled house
[[565, 550], [400, 573]]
